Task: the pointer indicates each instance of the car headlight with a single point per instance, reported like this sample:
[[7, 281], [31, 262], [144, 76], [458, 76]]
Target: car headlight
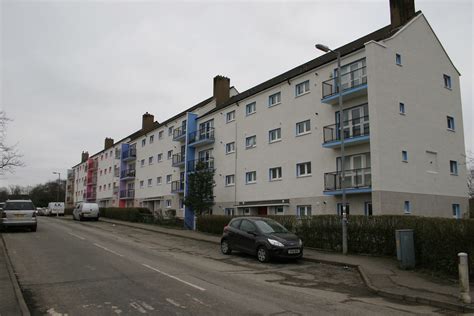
[[275, 243], [300, 242]]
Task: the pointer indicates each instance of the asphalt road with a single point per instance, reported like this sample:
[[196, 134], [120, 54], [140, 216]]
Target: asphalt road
[[96, 268]]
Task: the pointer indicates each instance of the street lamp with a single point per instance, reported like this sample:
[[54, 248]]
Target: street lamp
[[59, 184], [326, 49]]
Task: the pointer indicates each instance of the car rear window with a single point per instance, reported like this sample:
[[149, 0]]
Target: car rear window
[[19, 206]]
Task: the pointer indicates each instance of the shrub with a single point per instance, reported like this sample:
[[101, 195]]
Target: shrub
[[212, 224], [131, 214]]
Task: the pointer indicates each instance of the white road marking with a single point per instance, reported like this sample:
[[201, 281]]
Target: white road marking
[[175, 303], [138, 307], [176, 278], [77, 236], [147, 306], [107, 249]]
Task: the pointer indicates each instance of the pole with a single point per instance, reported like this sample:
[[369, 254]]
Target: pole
[[341, 131], [57, 199], [464, 278]]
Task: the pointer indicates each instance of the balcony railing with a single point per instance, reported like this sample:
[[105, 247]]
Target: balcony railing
[[177, 186], [355, 128], [354, 179], [92, 180], [127, 174], [91, 165], [91, 196], [179, 133], [349, 80], [207, 164], [178, 160], [127, 194], [129, 154], [202, 137]]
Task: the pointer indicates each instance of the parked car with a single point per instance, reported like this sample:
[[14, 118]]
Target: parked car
[[86, 211], [262, 237], [55, 209], [18, 213], [2, 205]]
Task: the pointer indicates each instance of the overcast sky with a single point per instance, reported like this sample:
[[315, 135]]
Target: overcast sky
[[75, 72]]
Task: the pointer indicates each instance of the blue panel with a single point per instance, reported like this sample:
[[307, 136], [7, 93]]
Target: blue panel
[[347, 141], [348, 191], [345, 92], [123, 165], [191, 127]]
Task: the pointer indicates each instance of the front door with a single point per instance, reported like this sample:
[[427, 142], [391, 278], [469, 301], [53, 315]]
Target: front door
[[368, 209], [262, 210]]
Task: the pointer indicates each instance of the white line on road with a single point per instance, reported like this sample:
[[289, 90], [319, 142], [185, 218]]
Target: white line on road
[[107, 249], [77, 236], [175, 303], [173, 277]]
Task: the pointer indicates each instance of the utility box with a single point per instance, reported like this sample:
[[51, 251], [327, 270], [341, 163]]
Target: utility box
[[405, 248]]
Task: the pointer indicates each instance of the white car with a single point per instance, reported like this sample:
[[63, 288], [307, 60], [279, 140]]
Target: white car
[[84, 211], [18, 213]]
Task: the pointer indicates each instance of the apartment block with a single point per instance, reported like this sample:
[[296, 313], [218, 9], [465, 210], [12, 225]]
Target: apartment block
[[276, 147]]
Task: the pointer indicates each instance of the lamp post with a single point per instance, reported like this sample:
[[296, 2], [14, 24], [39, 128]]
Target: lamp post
[[59, 185], [326, 49]]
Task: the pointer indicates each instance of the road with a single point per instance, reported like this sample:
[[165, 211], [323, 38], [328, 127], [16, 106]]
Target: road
[[96, 268]]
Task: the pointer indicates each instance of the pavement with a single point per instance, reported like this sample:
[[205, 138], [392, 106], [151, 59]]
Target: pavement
[[380, 274]]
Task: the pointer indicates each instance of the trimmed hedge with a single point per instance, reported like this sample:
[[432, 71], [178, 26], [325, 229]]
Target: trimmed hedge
[[68, 210], [130, 214], [437, 240]]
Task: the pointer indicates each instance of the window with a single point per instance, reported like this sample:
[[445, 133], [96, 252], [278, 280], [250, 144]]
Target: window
[[150, 160], [303, 169], [302, 88], [159, 158], [303, 210], [251, 177], [158, 180], [450, 121], [168, 203], [160, 134], [406, 207], [168, 178], [274, 99], [447, 81], [251, 141], [275, 174], [141, 184], [453, 167], [181, 203], [229, 180], [170, 130], [150, 182], [456, 211], [404, 156], [230, 148], [398, 59], [105, 171], [106, 155], [274, 135], [402, 108], [109, 186], [143, 142], [152, 139], [303, 128], [247, 226], [250, 108], [170, 154], [340, 211], [230, 116], [229, 211], [142, 162]]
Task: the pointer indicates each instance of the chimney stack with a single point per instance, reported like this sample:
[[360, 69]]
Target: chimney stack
[[109, 142], [401, 11], [84, 156], [147, 121], [221, 89]]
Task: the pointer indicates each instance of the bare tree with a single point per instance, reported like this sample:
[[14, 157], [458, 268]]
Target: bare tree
[[470, 173], [9, 156]]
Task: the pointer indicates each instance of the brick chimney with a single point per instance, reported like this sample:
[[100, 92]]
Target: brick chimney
[[109, 142], [84, 156], [221, 89], [147, 121], [401, 11]]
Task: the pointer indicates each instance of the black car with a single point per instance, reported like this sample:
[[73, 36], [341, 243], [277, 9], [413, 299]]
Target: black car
[[262, 237]]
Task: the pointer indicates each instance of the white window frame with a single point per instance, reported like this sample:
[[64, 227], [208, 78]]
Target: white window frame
[[304, 210], [158, 180], [230, 148], [456, 209], [249, 145], [447, 81], [453, 171], [142, 184], [170, 130], [299, 174], [275, 132], [302, 88], [160, 134], [229, 211], [159, 157], [144, 142], [274, 99], [404, 156], [168, 203], [142, 163], [170, 154], [150, 182], [229, 177], [169, 178], [401, 108], [230, 116], [152, 139], [150, 160], [307, 127], [252, 105], [450, 121], [398, 59], [406, 207], [279, 174], [251, 174]]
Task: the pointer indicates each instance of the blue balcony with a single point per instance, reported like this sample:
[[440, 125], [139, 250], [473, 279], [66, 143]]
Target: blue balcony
[[178, 160], [177, 187], [179, 134], [201, 137], [130, 154], [356, 181], [356, 131], [127, 174], [354, 84]]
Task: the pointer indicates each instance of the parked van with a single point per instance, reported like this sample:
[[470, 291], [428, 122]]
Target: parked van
[[86, 211], [55, 209]]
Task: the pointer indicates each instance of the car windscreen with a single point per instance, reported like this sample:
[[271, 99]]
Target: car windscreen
[[269, 226], [19, 206]]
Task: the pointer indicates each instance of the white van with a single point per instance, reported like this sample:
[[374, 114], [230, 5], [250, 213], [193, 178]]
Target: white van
[[86, 211], [55, 209]]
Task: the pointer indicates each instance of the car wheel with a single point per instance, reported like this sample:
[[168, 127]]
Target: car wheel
[[262, 254], [33, 229], [225, 248]]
